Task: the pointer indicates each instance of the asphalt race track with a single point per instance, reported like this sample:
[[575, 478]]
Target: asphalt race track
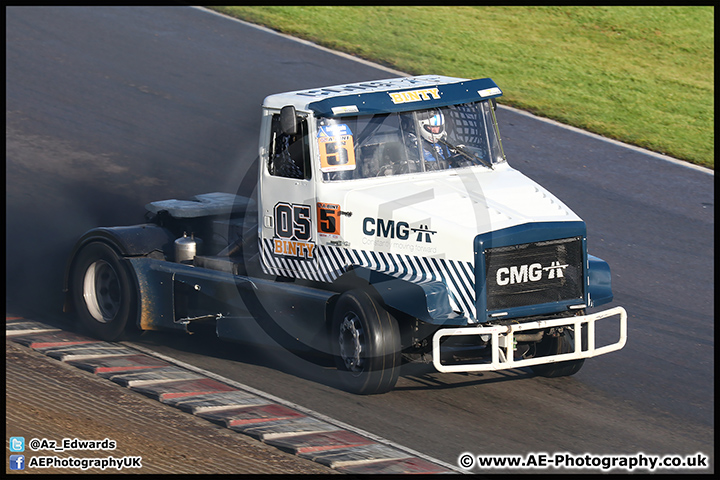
[[108, 109]]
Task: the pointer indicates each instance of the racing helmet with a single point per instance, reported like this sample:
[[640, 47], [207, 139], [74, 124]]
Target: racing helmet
[[432, 125]]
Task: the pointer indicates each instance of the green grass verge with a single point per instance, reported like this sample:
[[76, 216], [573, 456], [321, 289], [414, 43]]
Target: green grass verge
[[641, 75]]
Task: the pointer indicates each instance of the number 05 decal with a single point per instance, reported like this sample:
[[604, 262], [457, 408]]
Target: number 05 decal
[[293, 231], [292, 221], [328, 219]]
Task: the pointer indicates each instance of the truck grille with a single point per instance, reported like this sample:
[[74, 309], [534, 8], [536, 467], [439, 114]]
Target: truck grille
[[534, 273]]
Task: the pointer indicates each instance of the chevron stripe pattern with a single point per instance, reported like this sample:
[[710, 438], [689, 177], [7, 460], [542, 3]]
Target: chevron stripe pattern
[[330, 262]]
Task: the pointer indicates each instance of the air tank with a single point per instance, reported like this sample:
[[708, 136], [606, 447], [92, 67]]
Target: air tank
[[186, 248]]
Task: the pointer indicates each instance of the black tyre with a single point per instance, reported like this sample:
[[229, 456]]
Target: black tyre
[[103, 293], [552, 345], [366, 344]]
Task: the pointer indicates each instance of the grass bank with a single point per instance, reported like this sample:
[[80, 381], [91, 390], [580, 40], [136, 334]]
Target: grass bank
[[641, 75]]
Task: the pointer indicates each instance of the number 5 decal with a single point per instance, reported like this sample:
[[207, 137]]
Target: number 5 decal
[[328, 219]]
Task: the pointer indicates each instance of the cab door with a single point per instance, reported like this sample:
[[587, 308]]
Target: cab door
[[288, 233]]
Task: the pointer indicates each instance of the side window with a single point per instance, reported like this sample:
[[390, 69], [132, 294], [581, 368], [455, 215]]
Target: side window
[[289, 154]]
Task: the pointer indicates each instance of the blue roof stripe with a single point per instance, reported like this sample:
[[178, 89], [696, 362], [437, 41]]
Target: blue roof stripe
[[382, 102]]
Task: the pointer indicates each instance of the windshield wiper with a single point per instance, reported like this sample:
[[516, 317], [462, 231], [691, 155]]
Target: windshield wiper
[[473, 157]]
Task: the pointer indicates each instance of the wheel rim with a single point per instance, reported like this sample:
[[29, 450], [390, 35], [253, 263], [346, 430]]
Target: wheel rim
[[351, 343], [101, 291]]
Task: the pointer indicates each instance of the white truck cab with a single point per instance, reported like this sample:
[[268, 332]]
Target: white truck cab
[[388, 210]]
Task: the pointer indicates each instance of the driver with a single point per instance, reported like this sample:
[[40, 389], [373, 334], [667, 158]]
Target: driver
[[433, 133]]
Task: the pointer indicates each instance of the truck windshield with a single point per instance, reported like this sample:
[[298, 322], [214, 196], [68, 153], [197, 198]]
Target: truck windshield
[[457, 136]]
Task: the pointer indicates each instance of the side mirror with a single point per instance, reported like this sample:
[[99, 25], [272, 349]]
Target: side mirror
[[288, 120], [493, 102]]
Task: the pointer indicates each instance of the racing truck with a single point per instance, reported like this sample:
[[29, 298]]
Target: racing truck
[[384, 226]]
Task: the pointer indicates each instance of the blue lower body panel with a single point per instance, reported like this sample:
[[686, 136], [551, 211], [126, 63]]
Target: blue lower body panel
[[172, 295]]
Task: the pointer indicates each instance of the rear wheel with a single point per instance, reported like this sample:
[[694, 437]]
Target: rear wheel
[[553, 345], [366, 344], [104, 296]]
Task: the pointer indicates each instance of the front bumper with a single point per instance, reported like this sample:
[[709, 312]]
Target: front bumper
[[502, 342]]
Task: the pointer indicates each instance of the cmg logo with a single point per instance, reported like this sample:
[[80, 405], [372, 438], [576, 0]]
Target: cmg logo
[[528, 273]]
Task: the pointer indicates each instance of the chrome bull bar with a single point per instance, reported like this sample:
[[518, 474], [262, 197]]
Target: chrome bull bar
[[502, 342]]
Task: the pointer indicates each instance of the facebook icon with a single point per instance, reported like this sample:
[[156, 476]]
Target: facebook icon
[[17, 462]]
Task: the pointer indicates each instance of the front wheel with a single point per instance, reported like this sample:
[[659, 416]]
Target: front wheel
[[102, 291], [553, 345], [366, 344]]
